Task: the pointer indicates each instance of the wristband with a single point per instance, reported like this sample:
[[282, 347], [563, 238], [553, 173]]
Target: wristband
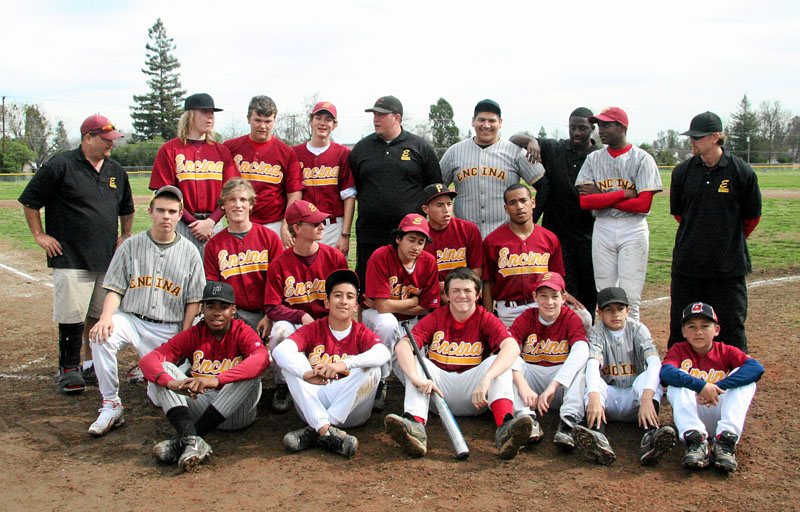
[[346, 235]]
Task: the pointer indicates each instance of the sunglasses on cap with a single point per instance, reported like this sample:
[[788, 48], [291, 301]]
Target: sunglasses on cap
[[103, 129]]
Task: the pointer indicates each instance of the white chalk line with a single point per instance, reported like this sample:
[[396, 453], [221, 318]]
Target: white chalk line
[[26, 276], [749, 285]]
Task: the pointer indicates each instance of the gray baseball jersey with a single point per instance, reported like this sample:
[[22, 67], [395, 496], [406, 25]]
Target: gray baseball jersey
[[634, 169], [621, 359], [481, 175], [156, 281]]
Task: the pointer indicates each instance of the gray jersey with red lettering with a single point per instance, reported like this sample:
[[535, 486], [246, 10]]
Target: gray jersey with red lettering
[[622, 358], [156, 280], [481, 175]]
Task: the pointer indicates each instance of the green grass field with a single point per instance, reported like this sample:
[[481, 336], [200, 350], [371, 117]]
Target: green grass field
[[775, 244]]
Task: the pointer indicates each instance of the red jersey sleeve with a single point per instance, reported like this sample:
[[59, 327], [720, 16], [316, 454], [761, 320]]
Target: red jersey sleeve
[[638, 204], [600, 200], [251, 346], [345, 174], [733, 357], [492, 330], [474, 247], [523, 326], [365, 338], [574, 326], [273, 293], [556, 263], [674, 356], [210, 265], [179, 346], [294, 174], [229, 169], [489, 263], [429, 281], [424, 329], [163, 172], [377, 280]]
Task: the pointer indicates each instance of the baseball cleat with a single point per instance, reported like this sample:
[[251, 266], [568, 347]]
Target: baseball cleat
[[195, 451], [110, 417], [724, 452], [168, 451], [380, 397], [70, 380], [696, 455], [299, 440], [563, 437], [655, 443], [594, 444], [408, 433], [338, 441], [513, 434], [281, 399], [536, 431]]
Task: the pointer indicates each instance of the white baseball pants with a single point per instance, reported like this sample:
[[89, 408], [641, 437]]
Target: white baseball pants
[[388, 329], [729, 414], [622, 404], [569, 401], [280, 331], [332, 232]]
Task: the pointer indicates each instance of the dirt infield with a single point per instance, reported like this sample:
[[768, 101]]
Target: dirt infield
[[49, 461]]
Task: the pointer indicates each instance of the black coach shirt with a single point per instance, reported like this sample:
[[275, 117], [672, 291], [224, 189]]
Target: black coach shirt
[[713, 202], [562, 208], [81, 208], [389, 180]]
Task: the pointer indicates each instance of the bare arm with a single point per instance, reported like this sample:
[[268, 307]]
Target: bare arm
[[409, 306], [189, 312], [344, 241], [488, 303], [51, 246], [105, 326], [509, 351], [125, 227]]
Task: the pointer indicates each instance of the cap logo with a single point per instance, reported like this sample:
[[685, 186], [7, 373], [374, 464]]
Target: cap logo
[[697, 308], [417, 221], [326, 104], [312, 207], [439, 188], [380, 100], [605, 110], [547, 276]]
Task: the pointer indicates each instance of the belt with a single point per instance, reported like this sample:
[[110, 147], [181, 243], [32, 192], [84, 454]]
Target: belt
[[515, 303], [201, 216], [330, 220], [147, 319]]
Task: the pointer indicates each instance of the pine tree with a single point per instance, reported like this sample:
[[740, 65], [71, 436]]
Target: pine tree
[[61, 140], [445, 131], [542, 133], [743, 130], [158, 111]]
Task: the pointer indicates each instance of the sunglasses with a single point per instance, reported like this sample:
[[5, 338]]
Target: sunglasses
[[315, 224], [103, 129], [697, 137]]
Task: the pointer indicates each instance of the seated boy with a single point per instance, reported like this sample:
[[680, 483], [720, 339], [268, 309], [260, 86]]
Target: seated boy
[[228, 358], [554, 353], [711, 385], [332, 368], [622, 350]]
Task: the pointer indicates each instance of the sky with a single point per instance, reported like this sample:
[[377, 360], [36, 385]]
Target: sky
[[662, 62]]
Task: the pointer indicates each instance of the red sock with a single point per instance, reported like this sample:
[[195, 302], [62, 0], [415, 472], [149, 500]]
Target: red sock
[[420, 420], [500, 408]]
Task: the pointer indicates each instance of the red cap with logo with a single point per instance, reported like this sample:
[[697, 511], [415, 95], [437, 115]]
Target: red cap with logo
[[325, 106], [303, 211], [414, 222], [100, 125], [551, 280], [610, 115]]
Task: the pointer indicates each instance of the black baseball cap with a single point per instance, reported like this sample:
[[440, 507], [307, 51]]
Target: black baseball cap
[[612, 295], [386, 105], [216, 290], [168, 189], [435, 190], [487, 105], [341, 276], [699, 309], [200, 101], [704, 124]]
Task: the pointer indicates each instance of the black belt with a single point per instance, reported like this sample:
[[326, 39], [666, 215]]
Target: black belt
[[330, 220], [201, 216], [146, 319]]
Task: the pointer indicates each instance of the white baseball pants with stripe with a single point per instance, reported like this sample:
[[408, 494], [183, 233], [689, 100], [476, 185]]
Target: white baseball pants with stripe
[[346, 402], [729, 414], [236, 401]]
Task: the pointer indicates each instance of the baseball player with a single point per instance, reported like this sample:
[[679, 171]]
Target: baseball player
[[197, 165], [622, 382], [549, 372], [241, 253], [154, 286], [711, 385], [460, 339], [402, 284], [269, 165], [515, 255], [715, 198], [483, 167], [454, 242], [328, 182], [332, 367], [85, 195], [223, 390], [295, 292], [618, 185], [559, 201]]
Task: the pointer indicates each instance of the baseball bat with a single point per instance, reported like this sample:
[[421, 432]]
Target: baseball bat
[[460, 448]]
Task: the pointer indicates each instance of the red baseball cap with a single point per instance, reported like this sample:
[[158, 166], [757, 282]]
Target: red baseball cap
[[610, 115], [101, 125], [414, 222], [304, 211], [326, 106], [551, 280]]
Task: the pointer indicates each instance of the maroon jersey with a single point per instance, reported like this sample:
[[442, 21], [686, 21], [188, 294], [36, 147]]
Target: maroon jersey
[[299, 286], [273, 170], [455, 346], [387, 278], [457, 245], [239, 355], [243, 263], [515, 264], [547, 345], [711, 367], [324, 176], [198, 170], [317, 342]]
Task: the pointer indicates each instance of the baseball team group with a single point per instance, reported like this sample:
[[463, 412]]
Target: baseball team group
[[513, 317]]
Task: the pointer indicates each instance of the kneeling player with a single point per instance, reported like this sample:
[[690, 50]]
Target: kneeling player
[[227, 358], [332, 367], [711, 385], [460, 338], [622, 382], [554, 353]]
